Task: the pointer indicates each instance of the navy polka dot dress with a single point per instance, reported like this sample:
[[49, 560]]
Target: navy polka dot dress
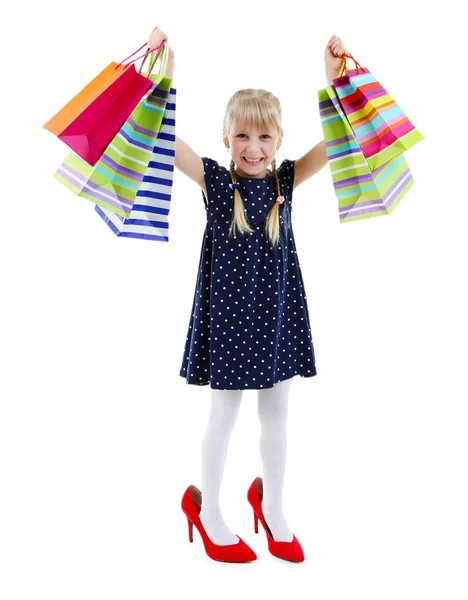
[[249, 326]]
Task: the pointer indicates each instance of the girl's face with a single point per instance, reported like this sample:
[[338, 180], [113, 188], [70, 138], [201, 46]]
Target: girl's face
[[252, 144]]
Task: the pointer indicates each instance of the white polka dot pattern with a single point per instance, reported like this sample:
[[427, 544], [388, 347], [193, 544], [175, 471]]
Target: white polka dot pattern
[[249, 327]]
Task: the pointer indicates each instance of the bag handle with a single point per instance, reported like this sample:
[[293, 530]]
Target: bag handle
[[158, 50], [141, 48], [162, 67], [344, 65]]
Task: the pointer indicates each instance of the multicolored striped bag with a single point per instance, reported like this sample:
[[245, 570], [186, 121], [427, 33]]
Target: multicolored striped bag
[[149, 216], [361, 193], [114, 180], [381, 128]]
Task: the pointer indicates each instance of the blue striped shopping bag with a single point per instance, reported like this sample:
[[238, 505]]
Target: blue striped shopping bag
[[148, 218]]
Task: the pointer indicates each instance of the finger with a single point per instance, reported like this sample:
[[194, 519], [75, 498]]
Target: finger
[[338, 48]]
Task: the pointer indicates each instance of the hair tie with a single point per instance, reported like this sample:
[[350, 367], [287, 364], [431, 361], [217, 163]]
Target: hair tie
[[233, 186], [280, 199]]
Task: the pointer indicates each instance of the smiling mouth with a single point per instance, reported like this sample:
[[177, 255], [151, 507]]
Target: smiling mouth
[[252, 162]]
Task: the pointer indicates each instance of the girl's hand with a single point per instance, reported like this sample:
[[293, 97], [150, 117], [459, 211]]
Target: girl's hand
[[156, 37], [333, 61]]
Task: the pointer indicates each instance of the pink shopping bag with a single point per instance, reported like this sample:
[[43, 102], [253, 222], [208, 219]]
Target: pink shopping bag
[[89, 122]]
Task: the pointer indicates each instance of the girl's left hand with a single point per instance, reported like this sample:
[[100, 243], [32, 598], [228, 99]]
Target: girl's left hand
[[333, 57]]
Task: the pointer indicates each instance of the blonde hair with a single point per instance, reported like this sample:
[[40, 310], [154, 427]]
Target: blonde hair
[[259, 109]]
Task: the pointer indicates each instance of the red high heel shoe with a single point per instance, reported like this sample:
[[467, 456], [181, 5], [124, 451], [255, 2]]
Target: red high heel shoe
[[288, 550], [191, 505]]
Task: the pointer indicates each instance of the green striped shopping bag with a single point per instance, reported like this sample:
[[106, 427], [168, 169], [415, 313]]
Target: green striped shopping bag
[[382, 129], [361, 193], [115, 179], [149, 218]]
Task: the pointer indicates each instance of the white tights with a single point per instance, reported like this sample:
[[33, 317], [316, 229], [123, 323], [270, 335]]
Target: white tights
[[273, 416]]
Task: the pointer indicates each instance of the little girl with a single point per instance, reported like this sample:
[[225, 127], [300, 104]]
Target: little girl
[[249, 327]]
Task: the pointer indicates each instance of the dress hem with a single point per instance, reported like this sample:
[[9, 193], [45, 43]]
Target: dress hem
[[304, 375]]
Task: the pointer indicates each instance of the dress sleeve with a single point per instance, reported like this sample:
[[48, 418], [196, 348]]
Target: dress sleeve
[[211, 172], [285, 174]]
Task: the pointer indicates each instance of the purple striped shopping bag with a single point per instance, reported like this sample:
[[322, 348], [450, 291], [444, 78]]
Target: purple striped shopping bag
[[149, 217]]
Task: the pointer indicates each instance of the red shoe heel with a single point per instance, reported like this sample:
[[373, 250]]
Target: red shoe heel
[[191, 506], [190, 530], [288, 550]]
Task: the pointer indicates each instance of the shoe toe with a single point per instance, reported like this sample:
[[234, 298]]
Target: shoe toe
[[288, 550], [246, 551]]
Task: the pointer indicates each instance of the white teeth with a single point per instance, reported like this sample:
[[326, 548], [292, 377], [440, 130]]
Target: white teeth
[[252, 161]]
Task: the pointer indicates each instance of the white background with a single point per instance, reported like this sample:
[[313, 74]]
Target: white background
[[100, 436]]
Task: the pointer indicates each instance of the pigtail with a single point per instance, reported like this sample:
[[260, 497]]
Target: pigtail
[[272, 225], [239, 222]]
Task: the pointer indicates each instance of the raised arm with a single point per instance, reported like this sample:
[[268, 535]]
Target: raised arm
[[310, 163], [316, 158], [186, 159]]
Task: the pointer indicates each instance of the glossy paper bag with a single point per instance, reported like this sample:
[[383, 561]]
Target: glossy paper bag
[[149, 217], [361, 193], [115, 179], [92, 118], [382, 130]]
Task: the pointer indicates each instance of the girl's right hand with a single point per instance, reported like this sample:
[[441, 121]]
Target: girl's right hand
[[156, 37]]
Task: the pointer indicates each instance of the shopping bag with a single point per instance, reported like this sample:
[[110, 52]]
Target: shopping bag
[[93, 117], [361, 193], [150, 212], [382, 129], [115, 179]]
